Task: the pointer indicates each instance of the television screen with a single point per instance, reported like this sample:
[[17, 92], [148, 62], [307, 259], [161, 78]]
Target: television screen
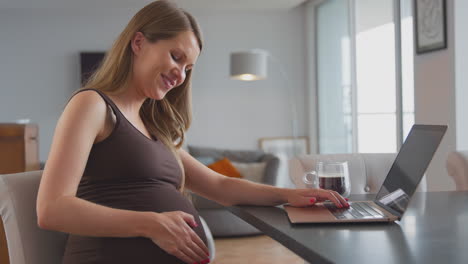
[[89, 62]]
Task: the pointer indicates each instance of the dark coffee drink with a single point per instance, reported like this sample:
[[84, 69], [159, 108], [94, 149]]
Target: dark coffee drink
[[333, 183]]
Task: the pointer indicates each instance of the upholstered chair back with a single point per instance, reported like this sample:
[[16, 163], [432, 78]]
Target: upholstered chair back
[[27, 243], [367, 171], [457, 168]]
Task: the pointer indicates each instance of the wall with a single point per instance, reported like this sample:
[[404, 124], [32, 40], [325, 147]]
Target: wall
[[434, 95], [461, 72], [39, 70]]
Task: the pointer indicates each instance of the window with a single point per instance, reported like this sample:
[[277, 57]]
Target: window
[[364, 75]]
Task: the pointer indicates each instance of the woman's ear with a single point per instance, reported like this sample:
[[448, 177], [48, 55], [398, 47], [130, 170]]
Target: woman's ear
[[137, 43]]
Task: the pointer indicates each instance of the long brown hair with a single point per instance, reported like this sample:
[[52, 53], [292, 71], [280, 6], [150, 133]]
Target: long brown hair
[[167, 119]]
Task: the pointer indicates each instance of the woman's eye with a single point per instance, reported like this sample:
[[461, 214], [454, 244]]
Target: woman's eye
[[174, 57]]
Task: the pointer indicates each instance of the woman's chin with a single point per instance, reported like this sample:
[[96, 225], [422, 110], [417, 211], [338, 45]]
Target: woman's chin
[[159, 95]]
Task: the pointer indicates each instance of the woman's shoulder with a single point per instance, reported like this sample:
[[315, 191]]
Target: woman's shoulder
[[87, 104], [88, 98]]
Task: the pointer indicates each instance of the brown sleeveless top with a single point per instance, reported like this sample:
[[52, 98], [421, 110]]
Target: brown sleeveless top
[[127, 170]]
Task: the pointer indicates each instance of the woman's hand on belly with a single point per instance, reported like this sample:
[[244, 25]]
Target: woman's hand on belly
[[172, 232]]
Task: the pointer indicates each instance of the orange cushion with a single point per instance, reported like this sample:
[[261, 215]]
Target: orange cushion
[[226, 168]]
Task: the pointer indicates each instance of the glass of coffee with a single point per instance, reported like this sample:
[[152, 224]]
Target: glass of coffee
[[330, 176]]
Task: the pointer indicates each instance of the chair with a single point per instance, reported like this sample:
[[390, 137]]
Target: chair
[[27, 243], [367, 171], [457, 168], [222, 223]]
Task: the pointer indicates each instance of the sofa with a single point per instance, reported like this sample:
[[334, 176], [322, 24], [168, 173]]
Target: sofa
[[222, 223]]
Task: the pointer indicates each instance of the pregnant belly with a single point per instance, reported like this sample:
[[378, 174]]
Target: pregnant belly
[[119, 250], [157, 198]]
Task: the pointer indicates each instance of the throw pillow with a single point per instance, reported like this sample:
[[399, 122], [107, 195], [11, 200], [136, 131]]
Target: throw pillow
[[225, 167], [253, 171]]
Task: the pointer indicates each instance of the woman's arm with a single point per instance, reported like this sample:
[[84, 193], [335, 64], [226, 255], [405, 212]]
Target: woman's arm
[[57, 207], [233, 191]]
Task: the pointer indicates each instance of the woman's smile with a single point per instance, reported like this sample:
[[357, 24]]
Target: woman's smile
[[168, 83]]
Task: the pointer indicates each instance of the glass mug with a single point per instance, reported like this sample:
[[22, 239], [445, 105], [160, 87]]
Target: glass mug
[[331, 176]]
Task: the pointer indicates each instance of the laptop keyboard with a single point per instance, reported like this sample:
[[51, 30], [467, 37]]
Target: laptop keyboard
[[356, 210]]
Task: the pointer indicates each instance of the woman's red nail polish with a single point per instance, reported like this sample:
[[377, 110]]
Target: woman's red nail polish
[[346, 199], [313, 200]]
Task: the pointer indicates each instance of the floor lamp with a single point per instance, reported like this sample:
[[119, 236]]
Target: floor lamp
[[252, 65]]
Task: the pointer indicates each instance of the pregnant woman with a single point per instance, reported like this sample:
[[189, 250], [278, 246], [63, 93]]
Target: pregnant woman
[[116, 175]]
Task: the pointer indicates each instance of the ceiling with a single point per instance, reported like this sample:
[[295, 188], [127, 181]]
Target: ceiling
[[187, 4]]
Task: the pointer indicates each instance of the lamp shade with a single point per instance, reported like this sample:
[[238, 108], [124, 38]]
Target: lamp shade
[[249, 65]]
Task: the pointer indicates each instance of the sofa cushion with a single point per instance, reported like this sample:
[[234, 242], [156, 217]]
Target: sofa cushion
[[233, 155], [246, 156], [225, 167], [253, 171]]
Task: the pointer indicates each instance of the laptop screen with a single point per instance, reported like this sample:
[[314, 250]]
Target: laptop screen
[[409, 167]]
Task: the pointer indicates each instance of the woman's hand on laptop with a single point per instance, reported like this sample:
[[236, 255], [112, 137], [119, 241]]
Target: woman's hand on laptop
[[308, 197]]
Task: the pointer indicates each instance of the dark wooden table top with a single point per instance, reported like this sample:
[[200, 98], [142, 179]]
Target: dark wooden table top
[[434, 229]]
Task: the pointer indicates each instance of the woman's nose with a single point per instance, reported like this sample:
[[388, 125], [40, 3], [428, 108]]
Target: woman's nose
[[179, 75]]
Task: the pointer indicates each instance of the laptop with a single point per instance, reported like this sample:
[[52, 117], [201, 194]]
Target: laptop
[[397, 189]]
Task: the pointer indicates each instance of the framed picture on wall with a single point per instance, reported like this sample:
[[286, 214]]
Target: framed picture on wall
[[430, 25]]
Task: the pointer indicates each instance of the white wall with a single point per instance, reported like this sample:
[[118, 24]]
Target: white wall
[[461, 72], [39, 55], [434, 94], [234, 114], [39, 69]]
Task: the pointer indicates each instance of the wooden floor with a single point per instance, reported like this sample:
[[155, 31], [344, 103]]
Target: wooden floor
[[254, 249]]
